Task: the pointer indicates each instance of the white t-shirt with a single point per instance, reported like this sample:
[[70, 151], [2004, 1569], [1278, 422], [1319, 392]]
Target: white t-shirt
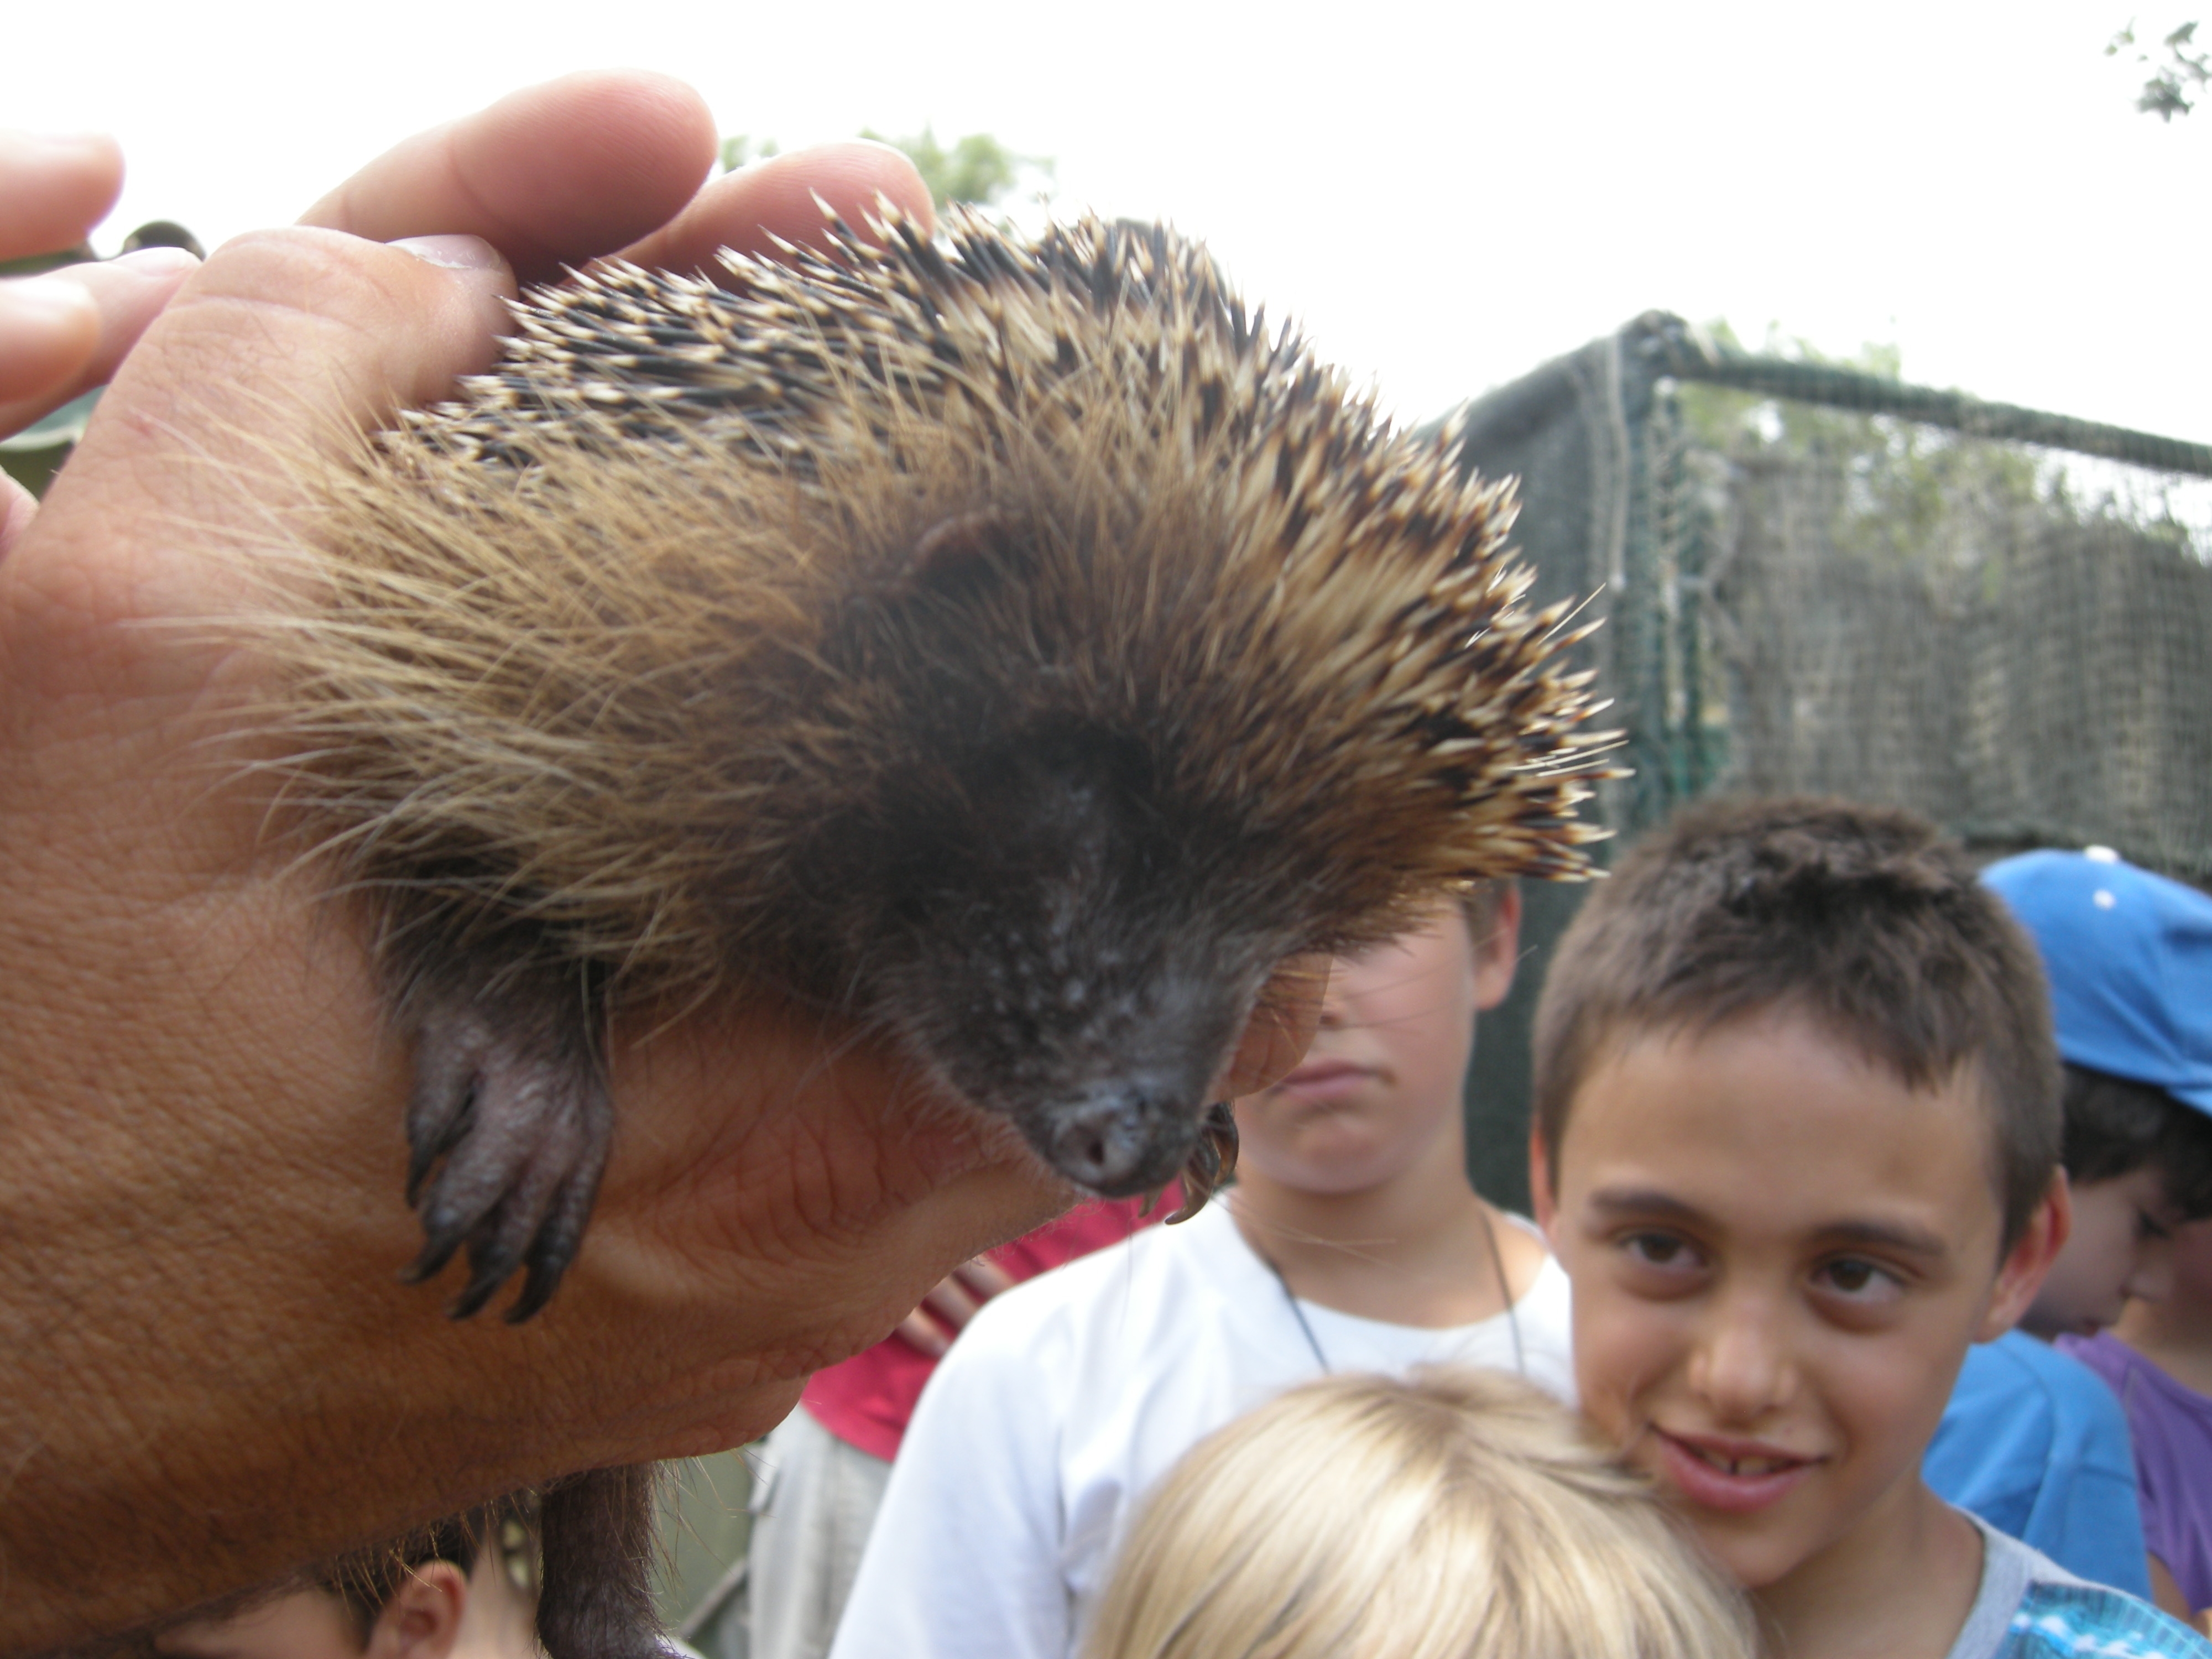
[[1067, 1397]]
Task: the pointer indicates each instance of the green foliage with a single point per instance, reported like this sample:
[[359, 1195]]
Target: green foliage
[[30, 264], [1899, 482], [977, 169], [741, 149], [34, 471], [2165, 94]]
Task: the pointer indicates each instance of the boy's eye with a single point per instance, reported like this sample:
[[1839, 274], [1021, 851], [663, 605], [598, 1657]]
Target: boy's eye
[[2149, 1226], [1858, 1279], [1659, 1250]]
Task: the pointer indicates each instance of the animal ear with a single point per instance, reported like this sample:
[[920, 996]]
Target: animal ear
[[957, 554]]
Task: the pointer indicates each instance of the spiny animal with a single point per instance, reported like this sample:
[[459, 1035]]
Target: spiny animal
[[1006, 642]]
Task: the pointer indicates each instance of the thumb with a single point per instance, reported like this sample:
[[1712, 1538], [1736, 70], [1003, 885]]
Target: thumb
[[282, 339], [1280, 1029]]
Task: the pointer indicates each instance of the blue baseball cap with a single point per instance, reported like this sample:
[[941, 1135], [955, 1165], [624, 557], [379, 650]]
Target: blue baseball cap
[[2129, 955]]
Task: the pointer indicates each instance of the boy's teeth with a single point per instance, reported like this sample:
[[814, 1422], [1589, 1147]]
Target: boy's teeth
[[1741, 1465]]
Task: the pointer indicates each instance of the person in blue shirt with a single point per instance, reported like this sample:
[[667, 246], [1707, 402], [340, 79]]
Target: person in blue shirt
[[2033, 1442]]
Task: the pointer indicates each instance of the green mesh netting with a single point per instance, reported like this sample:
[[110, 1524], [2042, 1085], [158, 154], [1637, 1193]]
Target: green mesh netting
[[1816, 578]]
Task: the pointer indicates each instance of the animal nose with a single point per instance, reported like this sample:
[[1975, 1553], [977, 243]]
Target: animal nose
[[1131, 1139]]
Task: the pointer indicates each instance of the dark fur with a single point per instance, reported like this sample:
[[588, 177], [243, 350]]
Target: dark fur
[[1009, 646], [596, 1536]]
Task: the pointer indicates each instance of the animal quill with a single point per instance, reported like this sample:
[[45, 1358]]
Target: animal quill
[[1007, 643]]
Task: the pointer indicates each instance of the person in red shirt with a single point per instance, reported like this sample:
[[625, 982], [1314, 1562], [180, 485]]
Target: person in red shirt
[[822, 1473]]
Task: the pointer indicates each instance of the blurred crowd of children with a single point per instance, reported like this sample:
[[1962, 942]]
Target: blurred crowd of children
[[1866, 1309], [1873, 1374]]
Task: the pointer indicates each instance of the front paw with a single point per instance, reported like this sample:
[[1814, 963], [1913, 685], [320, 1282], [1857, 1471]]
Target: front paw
[[508, 1129]]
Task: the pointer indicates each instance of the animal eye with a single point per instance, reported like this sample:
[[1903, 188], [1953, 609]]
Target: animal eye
[[1858, 1281]]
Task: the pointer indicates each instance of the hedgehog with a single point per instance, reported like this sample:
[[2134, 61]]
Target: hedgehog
[[1007, 643]]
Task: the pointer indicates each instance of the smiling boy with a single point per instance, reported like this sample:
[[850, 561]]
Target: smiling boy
[[1797, 1146]]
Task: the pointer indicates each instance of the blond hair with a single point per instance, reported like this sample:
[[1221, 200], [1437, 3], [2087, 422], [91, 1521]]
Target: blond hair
[[1454, 1514]]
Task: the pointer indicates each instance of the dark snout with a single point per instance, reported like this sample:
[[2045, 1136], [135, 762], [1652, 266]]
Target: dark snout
[[1132, 1138]]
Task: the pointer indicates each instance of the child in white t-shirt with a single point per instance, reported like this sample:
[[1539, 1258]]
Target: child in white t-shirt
[[1352, 1242]]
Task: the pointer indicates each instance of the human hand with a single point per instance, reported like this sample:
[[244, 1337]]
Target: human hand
[[952, 1303], [201, 1147], [202, 1163], [63, 332]]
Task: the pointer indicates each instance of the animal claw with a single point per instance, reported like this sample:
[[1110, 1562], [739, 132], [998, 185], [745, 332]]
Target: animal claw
[[509, 1130], [439, 1245], [1212, 1160]]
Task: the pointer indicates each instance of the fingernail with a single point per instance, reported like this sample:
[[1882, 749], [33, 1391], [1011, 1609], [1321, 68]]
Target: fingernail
[[454, 252], [156, 261], [42, 302]]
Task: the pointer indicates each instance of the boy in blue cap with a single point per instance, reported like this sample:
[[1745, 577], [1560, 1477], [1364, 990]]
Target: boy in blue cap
[[2129, 956], [2031, 1442]]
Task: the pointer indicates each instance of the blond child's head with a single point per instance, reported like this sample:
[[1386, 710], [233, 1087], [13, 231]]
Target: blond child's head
[[1456, 1514]]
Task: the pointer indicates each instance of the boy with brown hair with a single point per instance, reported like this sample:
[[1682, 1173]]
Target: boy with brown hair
[[1797, 1145]]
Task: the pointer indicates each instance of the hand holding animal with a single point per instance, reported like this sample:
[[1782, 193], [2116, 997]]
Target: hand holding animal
[[201, 1155]]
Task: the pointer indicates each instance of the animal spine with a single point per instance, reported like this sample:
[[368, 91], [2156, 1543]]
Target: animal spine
[[1009, 643]]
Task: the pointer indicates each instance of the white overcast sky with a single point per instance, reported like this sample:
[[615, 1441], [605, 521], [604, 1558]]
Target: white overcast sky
[[1445, 196]]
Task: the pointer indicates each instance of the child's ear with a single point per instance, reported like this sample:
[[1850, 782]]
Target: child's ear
[[2021, 1275], [1498, 952], [1541, 1197], [422, 1619]]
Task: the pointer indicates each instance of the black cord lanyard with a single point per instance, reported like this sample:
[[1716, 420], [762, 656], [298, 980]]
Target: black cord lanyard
[[1497, 1261], [1504, 1291], [1297, 1312]]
